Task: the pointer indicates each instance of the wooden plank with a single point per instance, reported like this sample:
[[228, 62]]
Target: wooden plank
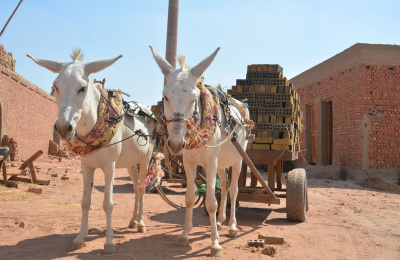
[[252, 167], [271, 175], [279, 167], [260, 198], [261, 147], [16, 172], [280, 147], [253, 181], [32, 158], [262, 157], [242, 176]]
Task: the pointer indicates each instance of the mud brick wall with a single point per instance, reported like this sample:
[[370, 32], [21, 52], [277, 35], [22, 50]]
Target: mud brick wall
[[6, 59], [363, 83], [27, 112], [380, 107]]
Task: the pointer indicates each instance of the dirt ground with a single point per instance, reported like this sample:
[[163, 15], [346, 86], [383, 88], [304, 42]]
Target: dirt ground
[[345, 221]]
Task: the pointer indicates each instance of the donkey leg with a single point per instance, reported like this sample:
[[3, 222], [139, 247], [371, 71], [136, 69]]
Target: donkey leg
[[141, 190], [233, 191], [224, 191], [88, 174], [133, 173], [190, 199], [108, 206], [211, 202]]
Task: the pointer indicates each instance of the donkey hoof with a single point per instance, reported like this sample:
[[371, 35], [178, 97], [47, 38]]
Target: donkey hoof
[[141, 228], [109, 248], [77, 245], [133, 224], [232, 233], [216, 251], [182, 241], [219, 226]]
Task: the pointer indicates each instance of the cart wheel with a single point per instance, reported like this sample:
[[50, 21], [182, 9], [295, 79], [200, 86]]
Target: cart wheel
[[307, 207], [296, 195]]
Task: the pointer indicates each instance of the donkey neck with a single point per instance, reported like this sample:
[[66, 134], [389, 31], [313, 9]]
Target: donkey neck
[[90, 112]]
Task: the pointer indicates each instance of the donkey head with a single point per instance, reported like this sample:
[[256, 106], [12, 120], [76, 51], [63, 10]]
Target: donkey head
[[180, 94], [74, 90]]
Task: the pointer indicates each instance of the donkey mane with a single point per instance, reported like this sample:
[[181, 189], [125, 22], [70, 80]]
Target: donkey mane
[[77, 54], [181, 60]]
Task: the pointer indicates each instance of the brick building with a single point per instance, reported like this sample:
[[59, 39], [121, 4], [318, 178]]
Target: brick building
[[27, 113], [351, 108]]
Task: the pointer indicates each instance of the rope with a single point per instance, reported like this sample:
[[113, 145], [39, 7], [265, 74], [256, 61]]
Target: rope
[[274, 162], [308, 166], [156, 171]]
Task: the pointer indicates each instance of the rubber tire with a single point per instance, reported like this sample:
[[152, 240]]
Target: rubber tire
[[296, 195]]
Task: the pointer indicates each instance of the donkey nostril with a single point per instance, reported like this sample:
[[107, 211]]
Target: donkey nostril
[[169, 143], [55, 127], [69, 128], [183, 144]]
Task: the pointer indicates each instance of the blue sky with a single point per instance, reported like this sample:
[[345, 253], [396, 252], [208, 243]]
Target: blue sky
[[295, 34]]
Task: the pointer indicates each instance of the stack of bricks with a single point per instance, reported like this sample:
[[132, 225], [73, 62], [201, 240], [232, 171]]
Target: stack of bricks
[[10, 142], [273, 106], [59, 150], [157, 109]]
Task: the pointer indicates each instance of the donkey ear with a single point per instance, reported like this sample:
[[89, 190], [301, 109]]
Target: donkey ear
[[198, 70], [54, 66], [164, 65], [96, 66]]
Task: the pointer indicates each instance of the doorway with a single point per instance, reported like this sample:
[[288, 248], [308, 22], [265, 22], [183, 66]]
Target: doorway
[[310, 139], [327, 130]]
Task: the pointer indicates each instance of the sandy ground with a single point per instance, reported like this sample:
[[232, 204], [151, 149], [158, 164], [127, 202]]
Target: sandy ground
[[345, 221]]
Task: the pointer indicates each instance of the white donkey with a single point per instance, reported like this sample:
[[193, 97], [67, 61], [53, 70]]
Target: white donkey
[[181, 101], [78, 104]]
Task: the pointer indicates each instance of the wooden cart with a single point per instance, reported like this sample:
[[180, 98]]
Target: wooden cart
[[271, 192]]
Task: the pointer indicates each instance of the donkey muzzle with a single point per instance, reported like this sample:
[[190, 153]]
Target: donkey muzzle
[[64, 129], [176, 146]]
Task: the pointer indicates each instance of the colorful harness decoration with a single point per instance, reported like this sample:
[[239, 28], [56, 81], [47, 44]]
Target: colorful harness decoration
[[211, 111], [109, 111]]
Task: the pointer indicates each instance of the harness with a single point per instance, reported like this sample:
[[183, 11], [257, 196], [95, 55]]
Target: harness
[[111, 109], [197, 137], [213, 100]]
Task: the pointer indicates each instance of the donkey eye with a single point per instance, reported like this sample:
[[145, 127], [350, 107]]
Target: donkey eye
[[82, 90], [54, 88], [166, 99]]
